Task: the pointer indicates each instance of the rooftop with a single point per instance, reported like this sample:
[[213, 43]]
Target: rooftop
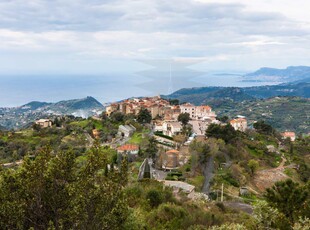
[[128, 147]]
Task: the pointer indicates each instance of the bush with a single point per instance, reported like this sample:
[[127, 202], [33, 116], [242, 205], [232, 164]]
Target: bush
[[154, 197], [160, 134]]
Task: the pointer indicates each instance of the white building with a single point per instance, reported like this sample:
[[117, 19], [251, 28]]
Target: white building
[[203, 112], [290, 135], [240, 124], [126, 130], [44, 123], [171, 128], [199, 127]]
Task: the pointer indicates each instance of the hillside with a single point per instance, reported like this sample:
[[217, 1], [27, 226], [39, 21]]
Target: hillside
[[301, 89], [284, 113], [62, 168], [290, 111], [17, 117], [200, 95], [290, 74]]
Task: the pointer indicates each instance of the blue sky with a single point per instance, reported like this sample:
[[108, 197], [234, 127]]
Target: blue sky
[[95, 37]]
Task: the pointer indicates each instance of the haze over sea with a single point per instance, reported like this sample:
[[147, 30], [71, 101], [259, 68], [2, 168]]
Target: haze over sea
[[19, 90]]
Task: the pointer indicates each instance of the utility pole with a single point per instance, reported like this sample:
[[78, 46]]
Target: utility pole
[[222, 193]]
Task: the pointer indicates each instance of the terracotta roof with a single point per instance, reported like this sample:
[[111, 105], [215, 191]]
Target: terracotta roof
[[206, 107], [187, 105], [172, 151], [238, 120], [288, 134], [128, 147]]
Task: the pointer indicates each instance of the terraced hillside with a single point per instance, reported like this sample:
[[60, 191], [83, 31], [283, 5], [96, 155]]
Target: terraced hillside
[[284, 113]]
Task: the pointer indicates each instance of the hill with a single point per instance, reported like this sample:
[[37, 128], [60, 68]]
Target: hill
[[283, 113], [200, 95], [290, 74], [18, 117], [299, 89], [287, 112]]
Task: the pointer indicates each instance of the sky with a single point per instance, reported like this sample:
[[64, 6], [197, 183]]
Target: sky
[[103, 36]]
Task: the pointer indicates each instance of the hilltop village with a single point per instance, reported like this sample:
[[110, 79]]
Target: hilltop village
[[165, 115]]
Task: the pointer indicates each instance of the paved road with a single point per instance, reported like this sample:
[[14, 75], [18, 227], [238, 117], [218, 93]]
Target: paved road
[[157, 174], [208, 174]]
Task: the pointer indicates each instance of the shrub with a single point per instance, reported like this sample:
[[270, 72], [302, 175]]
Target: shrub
[[154, 197]]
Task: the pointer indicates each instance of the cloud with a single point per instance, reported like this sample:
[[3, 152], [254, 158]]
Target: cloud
[[221, 33]]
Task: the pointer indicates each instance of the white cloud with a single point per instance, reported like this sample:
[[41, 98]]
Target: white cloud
[[222, 32]]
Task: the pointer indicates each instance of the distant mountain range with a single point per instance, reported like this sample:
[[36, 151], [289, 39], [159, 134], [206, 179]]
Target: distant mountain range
[[290, 74], [18, 117], [202, 95]]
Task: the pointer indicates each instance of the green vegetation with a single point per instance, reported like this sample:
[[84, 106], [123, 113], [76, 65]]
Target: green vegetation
[[226, 133], [286, 107], [184, 118], [73, 184], [160, 134], [290, 199], [144, 116], [253, 166], [52, 191]]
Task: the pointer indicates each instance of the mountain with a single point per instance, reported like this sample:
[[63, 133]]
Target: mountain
[[203, 95], [17, 117], [285, 106], [290, 74], [301, 89]]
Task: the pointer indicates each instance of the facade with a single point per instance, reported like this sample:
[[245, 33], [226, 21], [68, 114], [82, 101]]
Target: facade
[[290, 135], [203, 112], [170, 159], [128, 149], [190, 109], [126, 130], [199, 127], [239, 124], [96, 133], [44, 123], [171, 128], [158, 126], [131, 151], [110, 109], [155, 105]]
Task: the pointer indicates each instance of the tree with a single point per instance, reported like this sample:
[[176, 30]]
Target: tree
[[179, 138], [151, 149], [223, 119], [174, 101], [53, 192], [184, 118], [36, 127], [288, 197], [263, 127], [226, 133], [253, 165], [154, 197], [267, 217], [144, 116], [117, 117]]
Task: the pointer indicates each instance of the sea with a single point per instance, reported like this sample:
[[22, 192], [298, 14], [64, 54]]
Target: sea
[[106, 88]]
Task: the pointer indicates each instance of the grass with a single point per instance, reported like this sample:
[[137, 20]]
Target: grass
[[81, 124], [136, 138]]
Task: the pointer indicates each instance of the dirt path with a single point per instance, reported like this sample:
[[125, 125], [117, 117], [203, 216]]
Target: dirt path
[[266, 178]]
